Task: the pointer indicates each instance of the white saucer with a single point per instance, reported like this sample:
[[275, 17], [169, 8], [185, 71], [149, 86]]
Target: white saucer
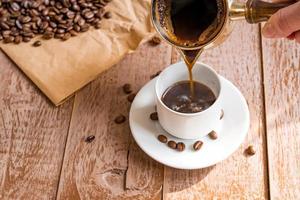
[[234, 128]]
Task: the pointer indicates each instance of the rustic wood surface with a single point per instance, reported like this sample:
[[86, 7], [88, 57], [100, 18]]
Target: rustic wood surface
[[43, 154], [281, 59]]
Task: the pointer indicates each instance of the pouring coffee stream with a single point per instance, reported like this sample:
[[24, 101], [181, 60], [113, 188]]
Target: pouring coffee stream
[[193, 26]]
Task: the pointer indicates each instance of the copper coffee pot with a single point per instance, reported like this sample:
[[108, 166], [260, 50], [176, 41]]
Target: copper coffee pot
[[254, 11]]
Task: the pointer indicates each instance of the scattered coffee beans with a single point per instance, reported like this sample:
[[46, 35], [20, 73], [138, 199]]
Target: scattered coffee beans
[[120, 119], [172, 144], [127, 88], [131, 97], [107, 15], [154, 116], [197, 145], [90, 139], [22, 20], [213, 135], [155, 75], [222, 114], [180, 146], [37, 43], [162, 138], [250, 150], [155, 40]]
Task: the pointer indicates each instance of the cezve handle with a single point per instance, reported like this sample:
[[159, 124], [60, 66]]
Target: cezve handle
[[255, 11], [259, 11]]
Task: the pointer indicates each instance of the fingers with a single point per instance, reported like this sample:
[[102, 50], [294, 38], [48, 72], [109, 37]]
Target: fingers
[[284, 22], [297, 36]]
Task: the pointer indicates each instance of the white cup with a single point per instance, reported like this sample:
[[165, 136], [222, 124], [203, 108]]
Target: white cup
[[188, 125]]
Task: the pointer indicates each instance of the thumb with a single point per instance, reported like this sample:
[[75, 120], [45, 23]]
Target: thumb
[[284, 22]]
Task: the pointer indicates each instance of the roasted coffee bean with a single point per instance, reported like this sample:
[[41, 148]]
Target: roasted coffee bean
[[120, 119], [162, 138], [180, 146], [131, 97], [66, 36], [222, 114], [9, 39], [127, 88], [197, 145], [213, 135], [48, 35], [15, 6], [18, 39], [172, 144], [73, 33], [85, 28], [155, 75], [250, 150], [88, 15], [37, 43], [26, 39], [154, 116], [155, 40], [90, 139], [97, 26], [107, 15]]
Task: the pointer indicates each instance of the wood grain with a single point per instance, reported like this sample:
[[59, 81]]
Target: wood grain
[[281, 60], [112, 166], [238, 177], [32, 137]]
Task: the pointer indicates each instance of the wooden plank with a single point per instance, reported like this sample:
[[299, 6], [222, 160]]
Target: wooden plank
[[32, 137], [112, 166], [281, 60], [238, 177]]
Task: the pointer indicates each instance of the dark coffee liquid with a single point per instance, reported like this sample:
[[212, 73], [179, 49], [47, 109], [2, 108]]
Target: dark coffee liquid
[[178, 97], [191, 17]]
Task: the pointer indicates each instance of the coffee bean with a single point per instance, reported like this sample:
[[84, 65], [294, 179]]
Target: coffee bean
[[73, 33], [37, 43], [66, 36], [162, 138], [172, 144], [154, 116], [155, 40], [155, 75], [131, 97], [89, 139], [213, 135], [89, 15], [197, 145], [107, 15], [26, 39], [120, 119], [18, 39], [222, 114], [97, 26], [15, 6], [180, 146], [250, 150], [48, 35], [127, 88]]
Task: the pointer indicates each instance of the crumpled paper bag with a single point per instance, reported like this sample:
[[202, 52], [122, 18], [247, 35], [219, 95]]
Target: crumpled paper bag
[[61, 68]]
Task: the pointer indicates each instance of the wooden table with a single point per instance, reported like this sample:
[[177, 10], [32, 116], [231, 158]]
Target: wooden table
[[43, 154]]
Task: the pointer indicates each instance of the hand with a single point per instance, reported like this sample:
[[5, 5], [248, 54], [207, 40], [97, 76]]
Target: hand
[[284, 23]]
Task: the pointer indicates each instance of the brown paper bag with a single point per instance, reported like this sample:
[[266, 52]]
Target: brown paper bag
[[60, 68]]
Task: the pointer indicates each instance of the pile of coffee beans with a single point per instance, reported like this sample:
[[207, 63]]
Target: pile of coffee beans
[[22, 20]]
